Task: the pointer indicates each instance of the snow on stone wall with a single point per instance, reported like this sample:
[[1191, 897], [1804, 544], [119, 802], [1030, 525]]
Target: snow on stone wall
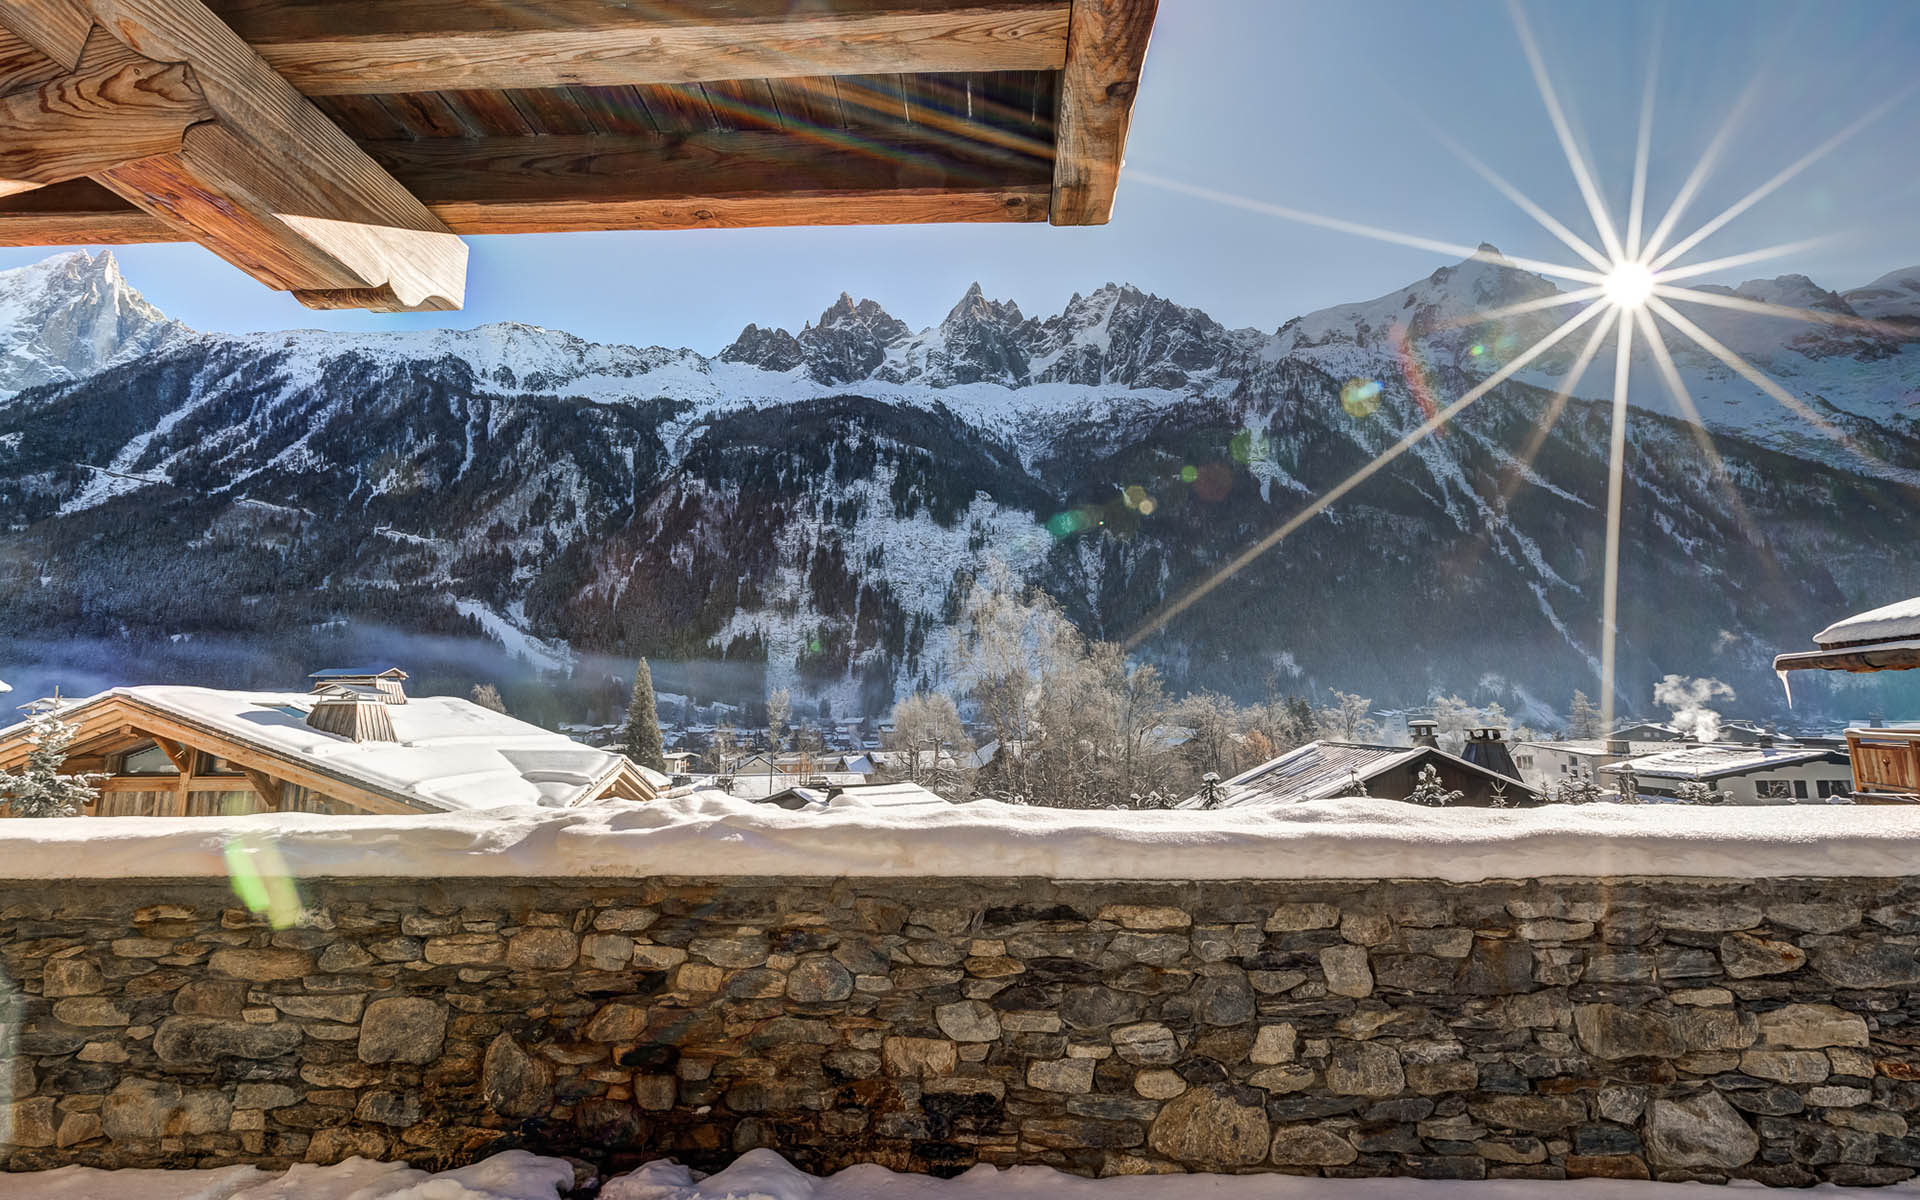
[[1758, 1029], [708, 836]]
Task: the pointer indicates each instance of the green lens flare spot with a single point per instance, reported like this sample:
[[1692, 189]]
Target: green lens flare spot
[[1189, 473], [1477, 350], [1360, 397]]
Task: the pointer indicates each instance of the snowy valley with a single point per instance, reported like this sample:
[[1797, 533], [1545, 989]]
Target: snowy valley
[[800, 510]]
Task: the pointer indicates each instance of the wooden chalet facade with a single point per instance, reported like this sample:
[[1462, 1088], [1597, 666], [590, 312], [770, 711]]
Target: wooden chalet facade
[[189, 752], [340, 149]]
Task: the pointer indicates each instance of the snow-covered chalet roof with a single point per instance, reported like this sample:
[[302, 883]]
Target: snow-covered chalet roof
[[1717, 762], [1899, 620], [449, 753]]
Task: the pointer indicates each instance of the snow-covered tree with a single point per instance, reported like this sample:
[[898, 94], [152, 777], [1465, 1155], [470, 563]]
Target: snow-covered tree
[[1348, 719], [779, 712], [40, 788], [488, 696], [1583, 719], [642, 734], [1693, 791], [1577, 788], [1428, 789]]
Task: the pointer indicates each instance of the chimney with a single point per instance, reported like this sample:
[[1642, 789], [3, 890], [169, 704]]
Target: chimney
[[1425, 733], [1487, 747], [355, 712]]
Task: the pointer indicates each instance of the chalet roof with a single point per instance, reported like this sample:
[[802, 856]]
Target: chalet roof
[[1597, 747], [1881, 639], [339, 149], [329, 673], [448, 753], [1322, 770], [886, 795], [1708, 763]]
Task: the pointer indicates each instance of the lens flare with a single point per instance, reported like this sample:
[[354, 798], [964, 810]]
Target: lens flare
[[1632, 285], [1629, 284]]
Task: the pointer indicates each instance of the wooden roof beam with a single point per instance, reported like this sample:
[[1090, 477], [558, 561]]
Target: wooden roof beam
[[56, 28], [269, 184], [592, 182], [342, 47], [114, 107], [1106, 46]]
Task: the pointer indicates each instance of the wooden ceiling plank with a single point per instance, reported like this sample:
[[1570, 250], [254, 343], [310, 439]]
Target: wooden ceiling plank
[[601, 182], [325, 48], [114, 107], [56, 28], [1106, 46], [273, 186]]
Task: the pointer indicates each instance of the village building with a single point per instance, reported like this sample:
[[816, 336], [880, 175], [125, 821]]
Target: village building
[[1326, 770], [1547, 764], [1758, 774], [355, 743]]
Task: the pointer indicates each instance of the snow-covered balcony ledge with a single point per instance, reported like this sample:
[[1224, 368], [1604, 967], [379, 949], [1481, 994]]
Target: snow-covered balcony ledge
[[700, 838]]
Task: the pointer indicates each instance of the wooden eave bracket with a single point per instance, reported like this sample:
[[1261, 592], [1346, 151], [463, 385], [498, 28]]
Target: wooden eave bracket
[[1106, 47], [170, 109]]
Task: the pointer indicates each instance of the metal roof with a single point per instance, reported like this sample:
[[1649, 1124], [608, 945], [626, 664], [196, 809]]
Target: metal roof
[[1716, 762]]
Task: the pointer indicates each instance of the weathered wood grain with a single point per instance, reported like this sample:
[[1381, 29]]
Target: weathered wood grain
[[326, 47], [273, 186], [1106, 46], [115, 107], [601, 182], [56, 28]]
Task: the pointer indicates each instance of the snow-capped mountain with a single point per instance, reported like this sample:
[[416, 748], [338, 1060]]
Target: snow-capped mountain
[[68, 316], [799, 509]]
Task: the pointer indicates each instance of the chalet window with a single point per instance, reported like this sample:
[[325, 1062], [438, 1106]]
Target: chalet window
[[1774, 789], [147, 760], [1799, 789], [213, 764]]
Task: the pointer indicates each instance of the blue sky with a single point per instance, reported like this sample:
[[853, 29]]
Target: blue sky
[[1316, 106]]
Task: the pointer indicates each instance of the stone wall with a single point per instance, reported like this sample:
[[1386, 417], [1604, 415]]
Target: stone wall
[[1688, 1030]]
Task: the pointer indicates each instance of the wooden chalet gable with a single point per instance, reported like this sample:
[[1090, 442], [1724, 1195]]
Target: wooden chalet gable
[[337, 149], [220, 774]]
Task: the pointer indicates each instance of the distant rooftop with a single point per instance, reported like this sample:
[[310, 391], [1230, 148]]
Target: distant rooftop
[[1715, 762]]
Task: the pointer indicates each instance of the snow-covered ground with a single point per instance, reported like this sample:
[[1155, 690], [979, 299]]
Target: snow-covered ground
[[514, 1175], [711, 835], [764, 1175]]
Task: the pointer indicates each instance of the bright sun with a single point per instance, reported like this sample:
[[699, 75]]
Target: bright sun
[[1629, 284]]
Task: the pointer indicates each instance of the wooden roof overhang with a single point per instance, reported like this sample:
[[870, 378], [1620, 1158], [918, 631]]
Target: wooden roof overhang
[[338, 149], [1893, 654]]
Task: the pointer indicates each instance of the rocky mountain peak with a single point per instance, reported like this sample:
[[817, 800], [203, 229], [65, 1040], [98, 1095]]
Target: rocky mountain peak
[[65, 317], [1893, 297], [850, 341]]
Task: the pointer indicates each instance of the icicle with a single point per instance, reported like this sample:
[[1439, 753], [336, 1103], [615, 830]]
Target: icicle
[[1787, 684]]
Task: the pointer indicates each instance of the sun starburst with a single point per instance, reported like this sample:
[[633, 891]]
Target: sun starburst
[[1631, 280]]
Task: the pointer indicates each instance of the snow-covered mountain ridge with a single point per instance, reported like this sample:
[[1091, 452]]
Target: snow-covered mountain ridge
[[803, 504]]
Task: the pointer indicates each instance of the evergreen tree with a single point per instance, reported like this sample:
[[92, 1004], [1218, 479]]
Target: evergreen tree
[[39, 789], [1430, 791], [1583, 719], [488, 696], [642, 735]]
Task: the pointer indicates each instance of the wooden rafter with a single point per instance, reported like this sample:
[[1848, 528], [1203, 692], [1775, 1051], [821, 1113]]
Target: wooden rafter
[[602, 181], [269, 788], [114, 107], [1106, 46], [266, 180], [56, 28], [344, 47]]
